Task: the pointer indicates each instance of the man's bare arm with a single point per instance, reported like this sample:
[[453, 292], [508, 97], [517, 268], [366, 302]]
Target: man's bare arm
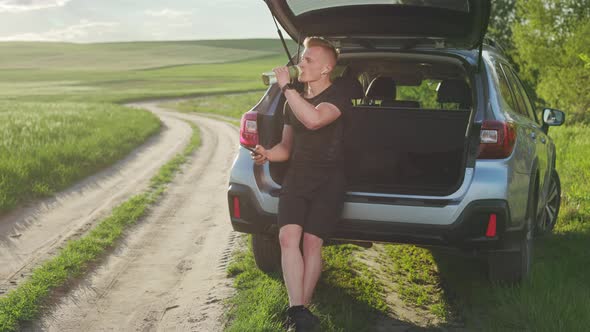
[[312, 117], [279, 152]]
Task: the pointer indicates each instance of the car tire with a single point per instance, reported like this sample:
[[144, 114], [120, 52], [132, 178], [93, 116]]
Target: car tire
[[267, 253], [548, 217], [514, 266]]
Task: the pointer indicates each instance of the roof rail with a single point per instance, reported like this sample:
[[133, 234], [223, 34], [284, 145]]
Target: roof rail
[[491, 42]]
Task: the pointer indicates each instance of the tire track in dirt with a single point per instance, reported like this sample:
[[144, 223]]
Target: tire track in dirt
[[32, 233], [169, 271]]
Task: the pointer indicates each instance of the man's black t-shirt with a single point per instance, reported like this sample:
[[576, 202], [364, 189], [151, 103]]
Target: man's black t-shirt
[[320, 148]]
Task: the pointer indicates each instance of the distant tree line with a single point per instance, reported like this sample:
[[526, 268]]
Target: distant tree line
[[549, 43]]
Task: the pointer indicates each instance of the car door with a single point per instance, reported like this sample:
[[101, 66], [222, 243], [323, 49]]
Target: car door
[[534, 129], [545, 147]]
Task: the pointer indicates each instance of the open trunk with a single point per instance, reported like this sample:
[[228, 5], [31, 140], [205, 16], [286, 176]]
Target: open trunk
[[405, 151], [407, 131], [453, 23]]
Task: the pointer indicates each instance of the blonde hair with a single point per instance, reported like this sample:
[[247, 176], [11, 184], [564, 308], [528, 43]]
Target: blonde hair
[[323, 43]]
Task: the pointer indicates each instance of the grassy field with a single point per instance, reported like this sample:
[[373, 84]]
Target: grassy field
[[130, 55], [120, 86], [60, 121], [344, 294], [59, 118], [45, 147], [229, 105], [131, 71]]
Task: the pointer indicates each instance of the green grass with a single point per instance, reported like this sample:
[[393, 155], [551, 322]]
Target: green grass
[[24, 303], [230, 105], [46, 147], [131, 55], [347, 298], [415, 277], [119, 72], [121, 86], [261, 299]]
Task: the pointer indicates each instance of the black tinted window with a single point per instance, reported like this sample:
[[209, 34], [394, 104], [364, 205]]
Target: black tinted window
[[518, 96], [519, 87], [506, 97]]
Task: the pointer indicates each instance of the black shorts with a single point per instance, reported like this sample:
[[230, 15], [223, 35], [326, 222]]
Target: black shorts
[[312, 199]]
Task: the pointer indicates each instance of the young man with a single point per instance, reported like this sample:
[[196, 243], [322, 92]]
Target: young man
[[312, 193]]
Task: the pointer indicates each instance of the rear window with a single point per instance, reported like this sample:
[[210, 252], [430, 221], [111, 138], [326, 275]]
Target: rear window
[[427, 95], [299, 7]]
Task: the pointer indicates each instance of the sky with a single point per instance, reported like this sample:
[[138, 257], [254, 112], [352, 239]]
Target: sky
[[87, 21]]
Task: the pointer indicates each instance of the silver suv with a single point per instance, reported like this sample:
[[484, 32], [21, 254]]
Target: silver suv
[[443, 145]]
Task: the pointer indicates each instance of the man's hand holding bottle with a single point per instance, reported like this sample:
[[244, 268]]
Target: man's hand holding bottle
[[259, 155]]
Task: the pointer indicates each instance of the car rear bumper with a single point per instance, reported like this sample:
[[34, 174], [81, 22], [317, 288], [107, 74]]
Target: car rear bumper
[[468, 231]]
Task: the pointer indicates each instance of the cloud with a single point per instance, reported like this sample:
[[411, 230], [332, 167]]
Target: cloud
[[17, 6], [81, 32], [181, 25], [167, 19], [168, 13]]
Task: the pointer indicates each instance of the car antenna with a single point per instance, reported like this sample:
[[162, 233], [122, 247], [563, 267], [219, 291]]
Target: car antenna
[[283, 40], [482, 37], [480, 56]]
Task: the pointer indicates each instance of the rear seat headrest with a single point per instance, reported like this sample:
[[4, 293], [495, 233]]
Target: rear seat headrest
[[381, 88], [454, 91], [400, 103], [350, 86]]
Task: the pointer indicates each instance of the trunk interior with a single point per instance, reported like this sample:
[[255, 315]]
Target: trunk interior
[[406, 133], [405, 151]]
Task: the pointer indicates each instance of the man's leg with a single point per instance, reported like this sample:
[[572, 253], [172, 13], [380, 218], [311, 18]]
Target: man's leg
[[312, 261], [292, 262]]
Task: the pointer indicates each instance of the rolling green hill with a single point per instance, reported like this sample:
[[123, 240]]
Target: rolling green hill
[[131, 55], [70, 88], [116, 72]]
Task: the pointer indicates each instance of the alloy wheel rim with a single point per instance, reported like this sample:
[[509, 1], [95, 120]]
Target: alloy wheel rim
[[550, 209]]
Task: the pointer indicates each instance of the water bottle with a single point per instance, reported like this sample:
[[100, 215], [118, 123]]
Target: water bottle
[[269, 77]]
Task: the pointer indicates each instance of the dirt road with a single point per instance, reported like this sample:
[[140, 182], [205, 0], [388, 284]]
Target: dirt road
[[30, 233], [169, 271]]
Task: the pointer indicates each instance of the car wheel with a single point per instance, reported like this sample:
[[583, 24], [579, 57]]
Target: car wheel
[[515, 266], [267, 253], [548, 217]]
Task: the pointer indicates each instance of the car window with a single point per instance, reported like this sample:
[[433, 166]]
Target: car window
[[506, 97], [425, 93], [530, 110], [518, 96]]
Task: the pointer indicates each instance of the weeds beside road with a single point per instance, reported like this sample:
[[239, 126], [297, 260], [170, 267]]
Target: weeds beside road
[[45, 148], [24, 303]]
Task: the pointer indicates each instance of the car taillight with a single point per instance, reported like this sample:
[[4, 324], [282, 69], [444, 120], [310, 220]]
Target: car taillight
[[491, 230], [249, 129], [497, 139], [237, 212]]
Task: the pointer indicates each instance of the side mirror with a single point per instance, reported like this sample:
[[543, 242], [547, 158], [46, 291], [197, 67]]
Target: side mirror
[[553, 117]]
